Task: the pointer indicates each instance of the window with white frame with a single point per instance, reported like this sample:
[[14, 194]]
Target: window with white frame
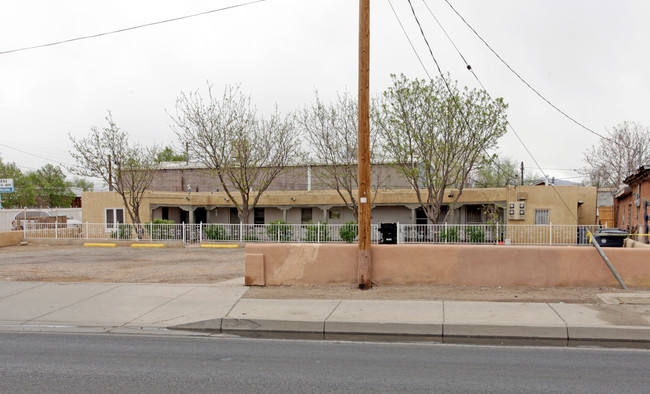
[[114, 216], [542, 216]]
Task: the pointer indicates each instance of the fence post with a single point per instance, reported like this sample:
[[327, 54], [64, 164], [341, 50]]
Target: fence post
[[86, 230], [241, 231], [398, 233], [550, 233], [183, 224], [446, 232], [496, 236], [318, 232], [200, 233]]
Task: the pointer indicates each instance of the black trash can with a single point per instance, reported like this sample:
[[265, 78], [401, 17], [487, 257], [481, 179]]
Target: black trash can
[[610, 237], [388, 233]]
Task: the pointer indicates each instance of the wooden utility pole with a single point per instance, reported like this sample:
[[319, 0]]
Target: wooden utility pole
[[364, 260], [522, 173]]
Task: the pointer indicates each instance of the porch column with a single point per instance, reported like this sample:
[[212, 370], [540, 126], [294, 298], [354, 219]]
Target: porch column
[[284, 212]]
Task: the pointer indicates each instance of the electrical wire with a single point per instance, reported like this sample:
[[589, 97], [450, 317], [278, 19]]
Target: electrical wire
[[409, 40], [526, 82], [128, 28], [460, 110]]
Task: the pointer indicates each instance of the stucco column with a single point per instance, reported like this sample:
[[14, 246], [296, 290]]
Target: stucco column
[[413, 208], [326, 209], [284, 212]]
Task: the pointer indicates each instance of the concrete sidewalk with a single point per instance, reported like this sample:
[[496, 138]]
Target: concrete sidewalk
[[112, 307]]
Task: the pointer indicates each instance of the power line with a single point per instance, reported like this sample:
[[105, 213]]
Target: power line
[[525, 82], [127, 28], [460, 110], [409, 40]]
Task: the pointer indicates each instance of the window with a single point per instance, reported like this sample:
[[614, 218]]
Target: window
[[473, 214], [542, 216], [114, 216], [165, 213], [305, 215], [334, 214], [258, 215]]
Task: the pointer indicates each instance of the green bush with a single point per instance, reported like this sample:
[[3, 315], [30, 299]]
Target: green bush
[[215, 232], [317, 232], [451, 235], [349, 231], [475, 234], [124, 231], [158, 229], [279, 230]]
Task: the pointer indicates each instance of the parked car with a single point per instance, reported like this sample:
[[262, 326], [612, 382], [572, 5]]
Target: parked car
[[34, 214]]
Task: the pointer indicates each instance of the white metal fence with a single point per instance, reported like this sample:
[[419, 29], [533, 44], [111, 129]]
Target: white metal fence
[[515, 234], [201, 233], [191, 234]]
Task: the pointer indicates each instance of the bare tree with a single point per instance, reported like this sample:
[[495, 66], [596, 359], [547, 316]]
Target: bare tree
[[332, 133], [245, 152], [626, 147], [437, 136], [108, 151]]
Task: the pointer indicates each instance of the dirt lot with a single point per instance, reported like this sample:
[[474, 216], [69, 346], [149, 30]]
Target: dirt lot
[[195, 265]]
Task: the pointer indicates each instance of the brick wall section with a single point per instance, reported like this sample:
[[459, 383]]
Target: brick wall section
[[295, 178]]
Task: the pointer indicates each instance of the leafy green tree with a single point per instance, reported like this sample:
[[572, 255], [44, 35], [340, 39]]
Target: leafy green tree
[[168, 154], [24, 194], [438, 134], [500, 172], [51, 187], [83, 184]]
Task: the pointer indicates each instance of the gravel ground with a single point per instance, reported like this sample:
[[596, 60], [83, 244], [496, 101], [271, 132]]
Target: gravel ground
[[67, 263]]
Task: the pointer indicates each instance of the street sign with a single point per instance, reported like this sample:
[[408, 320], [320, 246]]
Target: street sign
[[6, 185]]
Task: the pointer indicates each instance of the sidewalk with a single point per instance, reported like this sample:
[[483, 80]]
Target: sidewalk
[[123, 308]]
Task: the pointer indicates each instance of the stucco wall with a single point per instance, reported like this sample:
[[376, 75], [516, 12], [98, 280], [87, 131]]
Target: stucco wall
[[388, 205], [9, 238], [484, 265]]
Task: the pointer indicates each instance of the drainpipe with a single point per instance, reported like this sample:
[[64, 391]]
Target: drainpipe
[[309, 178]]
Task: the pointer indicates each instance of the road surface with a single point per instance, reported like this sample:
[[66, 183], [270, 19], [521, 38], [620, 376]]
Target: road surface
[[52, 362]]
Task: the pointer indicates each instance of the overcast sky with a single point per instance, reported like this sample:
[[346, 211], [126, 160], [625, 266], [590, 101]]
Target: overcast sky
[[589, 58]]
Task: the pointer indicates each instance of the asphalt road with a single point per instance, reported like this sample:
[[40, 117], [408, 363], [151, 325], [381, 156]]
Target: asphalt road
[[48, 362]]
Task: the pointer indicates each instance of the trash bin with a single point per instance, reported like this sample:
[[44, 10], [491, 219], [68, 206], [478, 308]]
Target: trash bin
[[610, 237], [388, 233]]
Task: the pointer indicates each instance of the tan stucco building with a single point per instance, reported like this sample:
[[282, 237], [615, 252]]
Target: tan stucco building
[[517, 205]]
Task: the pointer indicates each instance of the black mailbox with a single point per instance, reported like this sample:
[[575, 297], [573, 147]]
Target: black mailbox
[[388, 233]]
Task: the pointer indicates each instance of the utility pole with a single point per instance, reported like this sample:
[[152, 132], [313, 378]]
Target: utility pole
[[522, 173], [364, 258]]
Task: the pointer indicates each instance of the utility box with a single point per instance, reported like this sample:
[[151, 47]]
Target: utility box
[[610, 237], [388, 233], [517, 210]]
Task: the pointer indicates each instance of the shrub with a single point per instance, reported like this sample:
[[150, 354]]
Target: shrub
[[475, 234], [279, 230], [451, 235], [157, 229], [317, 232], [216, 232], [124, 231], [349, 231]]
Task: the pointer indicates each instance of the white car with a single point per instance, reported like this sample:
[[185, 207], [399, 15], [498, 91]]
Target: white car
[[33, 214]]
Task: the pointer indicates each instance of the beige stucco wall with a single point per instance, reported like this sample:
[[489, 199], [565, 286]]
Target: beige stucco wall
[[9, 238], [483, 265], [388, 205]]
